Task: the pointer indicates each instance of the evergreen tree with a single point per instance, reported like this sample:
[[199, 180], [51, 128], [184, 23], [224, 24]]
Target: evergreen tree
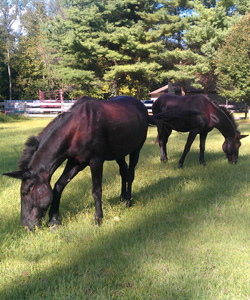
[[233, 63], [173, 23], [102, 46], [207, 29], [115, 46]]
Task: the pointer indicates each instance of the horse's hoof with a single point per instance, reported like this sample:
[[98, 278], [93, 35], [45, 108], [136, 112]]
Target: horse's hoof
[[123, 198], [55, 221], [180, 166], [164, 160], [128, 203], [98, 221], [53, 228], [203, 164]]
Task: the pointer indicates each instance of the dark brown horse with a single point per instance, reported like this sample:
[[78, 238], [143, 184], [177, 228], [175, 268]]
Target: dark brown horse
[[208, 116], [90, 133]]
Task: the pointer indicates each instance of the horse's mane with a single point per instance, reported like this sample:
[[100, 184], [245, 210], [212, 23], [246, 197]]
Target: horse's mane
[[31, 146], [33, 142], [230, 115]]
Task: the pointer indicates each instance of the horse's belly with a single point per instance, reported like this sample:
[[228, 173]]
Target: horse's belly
[[124, 145], [110, 145]]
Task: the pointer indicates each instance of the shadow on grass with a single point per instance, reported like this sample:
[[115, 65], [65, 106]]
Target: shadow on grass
[[108, 265], [80, 196], [115, 258]]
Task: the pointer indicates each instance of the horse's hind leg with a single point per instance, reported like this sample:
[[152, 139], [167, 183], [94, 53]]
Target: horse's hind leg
[[163, 135], [191, 138], [70, 171], [203, 137], [133, 160], [96, 167], [124, 176]]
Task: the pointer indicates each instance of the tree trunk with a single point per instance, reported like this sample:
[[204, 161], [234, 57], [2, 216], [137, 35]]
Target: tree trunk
[[9, 73]]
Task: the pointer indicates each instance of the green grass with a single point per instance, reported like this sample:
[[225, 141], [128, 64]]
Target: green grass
[[187, 235]]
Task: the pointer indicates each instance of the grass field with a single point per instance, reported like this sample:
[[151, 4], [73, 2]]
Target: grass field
[[187, 236]]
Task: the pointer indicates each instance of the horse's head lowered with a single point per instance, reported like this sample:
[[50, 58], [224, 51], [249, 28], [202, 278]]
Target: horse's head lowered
[[36, 197], [231, 147], [36, 192]]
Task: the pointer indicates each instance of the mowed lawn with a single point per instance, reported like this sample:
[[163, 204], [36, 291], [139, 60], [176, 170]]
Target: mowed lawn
[[187, 236]]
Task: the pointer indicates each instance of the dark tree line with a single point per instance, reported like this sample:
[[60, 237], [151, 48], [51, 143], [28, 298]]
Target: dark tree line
[[110, 47]]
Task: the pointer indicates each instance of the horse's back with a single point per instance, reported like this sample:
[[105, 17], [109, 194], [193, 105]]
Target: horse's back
[[110, 129], [196, 109], [131, 102], [168, 101]]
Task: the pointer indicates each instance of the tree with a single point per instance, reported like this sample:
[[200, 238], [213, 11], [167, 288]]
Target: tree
[[169, 30], [4, 91], [208, 24], [9, 13], [233, 63], [110, 47], [31, 59], [102, 46]]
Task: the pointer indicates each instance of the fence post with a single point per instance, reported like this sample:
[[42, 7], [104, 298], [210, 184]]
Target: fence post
[[25, 108]]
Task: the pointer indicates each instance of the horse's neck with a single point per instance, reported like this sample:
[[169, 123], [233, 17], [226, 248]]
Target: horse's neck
[[224, 124], [47, 159]]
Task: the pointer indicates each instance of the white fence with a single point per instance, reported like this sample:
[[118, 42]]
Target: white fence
[[148, 104], [36, 108]]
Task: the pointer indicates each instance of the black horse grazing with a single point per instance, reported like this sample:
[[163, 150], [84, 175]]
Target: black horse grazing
[[90, 133], [208, 116]]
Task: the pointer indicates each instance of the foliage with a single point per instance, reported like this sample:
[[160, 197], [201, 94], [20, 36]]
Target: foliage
[[11, 118], [207, 29], [185, 237], [105, 48], [233, 63], [9, 11], [103, 41], [32, 61]]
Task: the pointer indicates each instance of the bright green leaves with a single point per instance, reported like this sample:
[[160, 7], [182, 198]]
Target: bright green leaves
[[233, 63]]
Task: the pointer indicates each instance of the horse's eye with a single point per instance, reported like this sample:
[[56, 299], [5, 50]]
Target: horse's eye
[[27, 189], [24, 193]]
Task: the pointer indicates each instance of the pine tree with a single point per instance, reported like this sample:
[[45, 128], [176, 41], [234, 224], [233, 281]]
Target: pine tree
[[233, 63], [206, 31]]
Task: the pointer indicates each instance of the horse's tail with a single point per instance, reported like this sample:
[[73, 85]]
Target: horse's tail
[[160, 120], [170, 117]]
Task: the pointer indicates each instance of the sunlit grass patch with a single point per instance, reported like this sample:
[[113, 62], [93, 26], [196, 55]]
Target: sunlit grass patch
[[185, 237]]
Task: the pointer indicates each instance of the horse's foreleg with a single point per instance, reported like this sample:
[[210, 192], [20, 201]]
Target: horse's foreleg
[[96, 167], [70, 171], [124, 176], [133, 160], [203, 137], [191, 138]]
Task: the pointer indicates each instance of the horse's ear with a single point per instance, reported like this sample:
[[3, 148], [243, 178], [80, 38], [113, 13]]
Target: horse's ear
[[18, 174], [241, 136]]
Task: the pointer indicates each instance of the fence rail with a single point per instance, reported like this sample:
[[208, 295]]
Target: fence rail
[[35, 108]]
